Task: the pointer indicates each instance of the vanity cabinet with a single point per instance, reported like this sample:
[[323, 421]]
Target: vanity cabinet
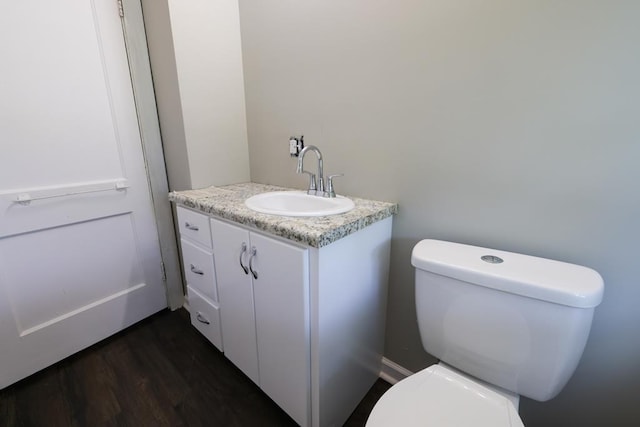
[[263, 284], [298, 305], [199, 272], [309, 329]]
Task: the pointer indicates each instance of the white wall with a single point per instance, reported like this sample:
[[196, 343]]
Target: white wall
[[194, 46], [165, 79], [512, 125]]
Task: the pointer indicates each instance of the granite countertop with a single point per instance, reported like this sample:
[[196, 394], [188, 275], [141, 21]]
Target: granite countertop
[[228, 202]]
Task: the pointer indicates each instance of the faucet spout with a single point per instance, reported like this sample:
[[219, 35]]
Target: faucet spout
[[299, 169]]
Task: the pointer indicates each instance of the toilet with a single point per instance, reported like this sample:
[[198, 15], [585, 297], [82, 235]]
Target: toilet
[[503, 325]]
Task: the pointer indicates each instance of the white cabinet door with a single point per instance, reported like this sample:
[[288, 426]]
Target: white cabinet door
[[79, 252], [263, 286], [235, 293], [281, 293]]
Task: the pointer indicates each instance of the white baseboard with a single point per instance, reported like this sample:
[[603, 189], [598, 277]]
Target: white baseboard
[[391, 372]]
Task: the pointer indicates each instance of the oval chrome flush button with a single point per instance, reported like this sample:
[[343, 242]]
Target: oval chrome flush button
[[491, 259]]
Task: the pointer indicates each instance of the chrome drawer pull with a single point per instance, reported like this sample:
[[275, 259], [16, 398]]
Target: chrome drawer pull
[[202, 319], [191, 226], [196, 270], [244, 249], [254, 252]]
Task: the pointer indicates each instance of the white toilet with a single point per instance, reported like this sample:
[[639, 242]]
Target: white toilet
[[502, 325]]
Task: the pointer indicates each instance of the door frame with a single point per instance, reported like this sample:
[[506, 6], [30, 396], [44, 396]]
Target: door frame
[[144, 96]]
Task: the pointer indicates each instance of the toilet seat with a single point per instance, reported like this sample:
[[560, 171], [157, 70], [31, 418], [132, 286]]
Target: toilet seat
[[439, 396]]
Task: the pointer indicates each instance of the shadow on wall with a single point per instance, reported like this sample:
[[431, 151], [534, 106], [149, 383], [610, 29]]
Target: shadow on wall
[[567, 409]]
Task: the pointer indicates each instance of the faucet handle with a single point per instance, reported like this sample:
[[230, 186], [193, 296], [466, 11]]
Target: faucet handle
[[312, 182], [330, 190]]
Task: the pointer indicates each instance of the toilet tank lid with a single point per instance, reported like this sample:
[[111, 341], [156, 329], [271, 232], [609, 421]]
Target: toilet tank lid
[[539, 278]]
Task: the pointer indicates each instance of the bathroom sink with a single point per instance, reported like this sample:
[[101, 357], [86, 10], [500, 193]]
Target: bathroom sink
[[298, 203]]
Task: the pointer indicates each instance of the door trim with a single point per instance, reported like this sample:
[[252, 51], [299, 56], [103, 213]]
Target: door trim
[[144, 96]]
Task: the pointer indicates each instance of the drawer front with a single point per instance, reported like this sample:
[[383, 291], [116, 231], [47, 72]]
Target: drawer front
[[199, 269], [205, 317], [194, 226]]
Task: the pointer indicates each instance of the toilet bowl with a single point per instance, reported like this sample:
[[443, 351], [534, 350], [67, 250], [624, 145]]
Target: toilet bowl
[[502, 325], [441, 396]]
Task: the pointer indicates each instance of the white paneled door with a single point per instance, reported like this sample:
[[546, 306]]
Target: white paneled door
[[79, 252]]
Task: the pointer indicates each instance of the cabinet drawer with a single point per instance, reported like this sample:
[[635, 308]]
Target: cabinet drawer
[[205, 317], [194, 226], [199, 269]]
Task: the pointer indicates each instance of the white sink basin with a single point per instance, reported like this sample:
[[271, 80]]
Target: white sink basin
[[298, 203]]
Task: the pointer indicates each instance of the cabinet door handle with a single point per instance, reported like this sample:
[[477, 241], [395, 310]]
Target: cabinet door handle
[[244, 249], [202, 319], [254, 252], [191, 226], [196, 270]]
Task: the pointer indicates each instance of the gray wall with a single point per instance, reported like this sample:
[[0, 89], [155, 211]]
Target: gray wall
[[512, 125]]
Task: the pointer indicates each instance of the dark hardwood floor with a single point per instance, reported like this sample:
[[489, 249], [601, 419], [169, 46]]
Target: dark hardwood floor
[[159, 372]]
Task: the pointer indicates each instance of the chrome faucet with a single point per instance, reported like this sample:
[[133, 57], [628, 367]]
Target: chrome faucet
[[319, 191]]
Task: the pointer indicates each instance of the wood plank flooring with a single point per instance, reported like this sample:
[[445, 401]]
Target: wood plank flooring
[[159, 372]]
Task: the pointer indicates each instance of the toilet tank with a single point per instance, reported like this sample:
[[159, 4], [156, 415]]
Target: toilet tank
[[515, 321]]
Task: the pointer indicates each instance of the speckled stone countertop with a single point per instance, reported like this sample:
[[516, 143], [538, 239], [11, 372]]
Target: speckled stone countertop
[[228, 202]]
